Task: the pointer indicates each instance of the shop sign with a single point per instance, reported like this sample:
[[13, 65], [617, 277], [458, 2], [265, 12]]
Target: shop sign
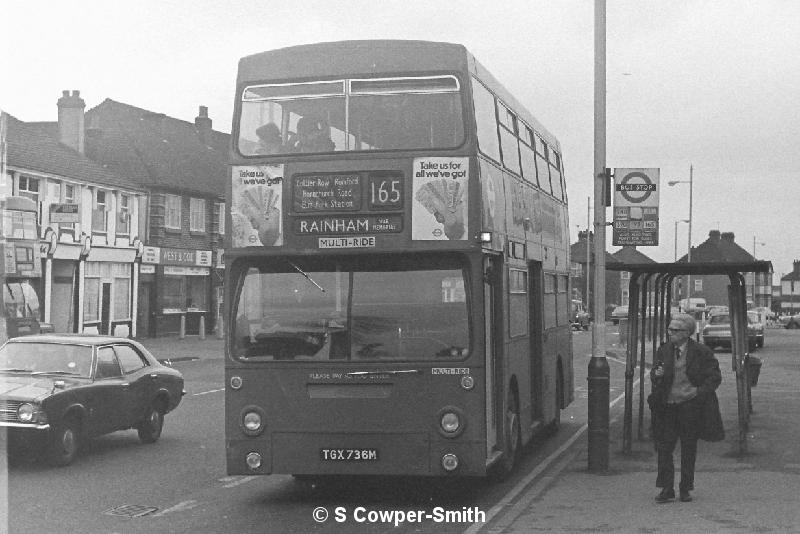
[[182, 256], [186, 271], [151, 254]]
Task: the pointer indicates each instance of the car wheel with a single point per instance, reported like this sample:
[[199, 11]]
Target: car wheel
[[64, 443], [150, 428]]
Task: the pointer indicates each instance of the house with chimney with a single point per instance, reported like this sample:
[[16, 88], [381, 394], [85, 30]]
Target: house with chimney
[[721, 247], [92, 222], [183, 167]]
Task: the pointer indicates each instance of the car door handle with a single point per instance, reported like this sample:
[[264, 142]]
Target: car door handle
[[126, 384], [153, 375]]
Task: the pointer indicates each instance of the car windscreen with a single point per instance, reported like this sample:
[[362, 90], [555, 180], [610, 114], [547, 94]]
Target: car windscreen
[[46, 358], [403, 311]]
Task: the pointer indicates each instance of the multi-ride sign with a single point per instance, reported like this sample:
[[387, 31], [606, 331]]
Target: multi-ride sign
[[636, 207]]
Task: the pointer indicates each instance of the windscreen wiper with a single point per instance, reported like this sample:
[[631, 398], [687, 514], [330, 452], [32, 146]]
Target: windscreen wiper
[[301, 271]]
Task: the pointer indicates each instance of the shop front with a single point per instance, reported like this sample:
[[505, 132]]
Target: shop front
[[175, 291]]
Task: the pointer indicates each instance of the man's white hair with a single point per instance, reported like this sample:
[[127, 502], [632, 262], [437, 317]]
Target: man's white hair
[[687, 321]]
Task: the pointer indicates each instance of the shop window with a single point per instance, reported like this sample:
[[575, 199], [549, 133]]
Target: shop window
[[122, 299], [196, 293], [173, 298], [91, 299]]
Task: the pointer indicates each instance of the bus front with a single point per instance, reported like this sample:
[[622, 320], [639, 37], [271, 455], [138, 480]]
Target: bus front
[[353, 274]]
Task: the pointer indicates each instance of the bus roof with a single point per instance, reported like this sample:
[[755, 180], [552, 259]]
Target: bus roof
[[375, 57]]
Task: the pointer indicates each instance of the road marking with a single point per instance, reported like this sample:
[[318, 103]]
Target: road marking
[[209, 391], [509, 497], [232, 482], [180, 507]]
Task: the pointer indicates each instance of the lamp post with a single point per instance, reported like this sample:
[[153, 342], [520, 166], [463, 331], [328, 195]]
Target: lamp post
[[676, 235], [689, 256], [755, 303]]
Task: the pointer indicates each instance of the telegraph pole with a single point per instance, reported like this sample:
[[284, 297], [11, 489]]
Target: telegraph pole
[[598, 373]]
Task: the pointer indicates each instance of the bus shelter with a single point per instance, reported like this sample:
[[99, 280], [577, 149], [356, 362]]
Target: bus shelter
[[649, 307]]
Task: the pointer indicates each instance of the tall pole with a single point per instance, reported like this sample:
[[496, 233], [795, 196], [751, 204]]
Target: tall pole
[[676, 240], [588, 252], [598, 372], [689, 256]]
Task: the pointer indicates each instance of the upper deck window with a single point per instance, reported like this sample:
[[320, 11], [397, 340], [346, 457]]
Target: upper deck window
[[351, 115]]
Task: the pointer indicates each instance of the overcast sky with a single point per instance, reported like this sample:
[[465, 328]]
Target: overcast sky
[[713, 84]]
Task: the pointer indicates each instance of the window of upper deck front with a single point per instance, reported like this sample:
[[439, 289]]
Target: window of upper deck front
[[351, 115]]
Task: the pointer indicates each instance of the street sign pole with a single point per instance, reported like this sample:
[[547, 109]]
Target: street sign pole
[[598, 373]]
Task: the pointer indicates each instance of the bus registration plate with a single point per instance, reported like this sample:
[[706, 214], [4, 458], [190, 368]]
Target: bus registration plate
[[351, 455]]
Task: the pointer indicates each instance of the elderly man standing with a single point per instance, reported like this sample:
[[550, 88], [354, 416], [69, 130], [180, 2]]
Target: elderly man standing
[[684, 377]]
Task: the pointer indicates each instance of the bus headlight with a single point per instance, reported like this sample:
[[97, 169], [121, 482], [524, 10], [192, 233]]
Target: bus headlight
[[450, 462], [253, 420], [451, 422], [253, 460], [26, 412]]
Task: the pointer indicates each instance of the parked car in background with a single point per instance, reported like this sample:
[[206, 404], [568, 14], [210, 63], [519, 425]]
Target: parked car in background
[[62, 389], [620, 312], [717, 332], [790, 321], [580, 318], [759, 322]]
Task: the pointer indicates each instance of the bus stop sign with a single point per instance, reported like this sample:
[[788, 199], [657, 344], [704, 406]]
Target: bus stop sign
[[636, 207]]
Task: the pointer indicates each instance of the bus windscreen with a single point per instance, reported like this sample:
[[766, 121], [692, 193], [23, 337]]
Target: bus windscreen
[[336, 313]]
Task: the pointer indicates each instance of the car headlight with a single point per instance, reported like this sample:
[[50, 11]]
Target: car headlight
[[26, 412]]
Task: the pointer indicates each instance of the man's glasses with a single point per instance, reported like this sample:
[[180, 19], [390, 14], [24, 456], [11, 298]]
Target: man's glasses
[[673, 330]]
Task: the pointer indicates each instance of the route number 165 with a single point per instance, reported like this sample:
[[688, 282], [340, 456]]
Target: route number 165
[[385, 192]]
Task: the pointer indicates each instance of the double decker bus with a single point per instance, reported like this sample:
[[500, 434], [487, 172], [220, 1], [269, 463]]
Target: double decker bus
[[397, 266], [21, 271]]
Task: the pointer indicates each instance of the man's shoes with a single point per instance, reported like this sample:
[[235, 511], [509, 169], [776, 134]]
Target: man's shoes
[[666, 495], [685, 497]]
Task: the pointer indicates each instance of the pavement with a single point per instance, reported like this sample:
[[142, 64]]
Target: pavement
[[758, 491]]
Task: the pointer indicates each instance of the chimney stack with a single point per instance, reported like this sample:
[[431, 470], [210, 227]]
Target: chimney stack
[[70, 120], [727, 236], [713, 235], [796, 266], [203, 125]]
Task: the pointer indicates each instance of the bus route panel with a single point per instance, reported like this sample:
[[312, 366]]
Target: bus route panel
[[347, 210]]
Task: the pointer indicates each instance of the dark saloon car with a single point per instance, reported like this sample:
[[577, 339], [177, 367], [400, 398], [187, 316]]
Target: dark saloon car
[[61, 389]]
